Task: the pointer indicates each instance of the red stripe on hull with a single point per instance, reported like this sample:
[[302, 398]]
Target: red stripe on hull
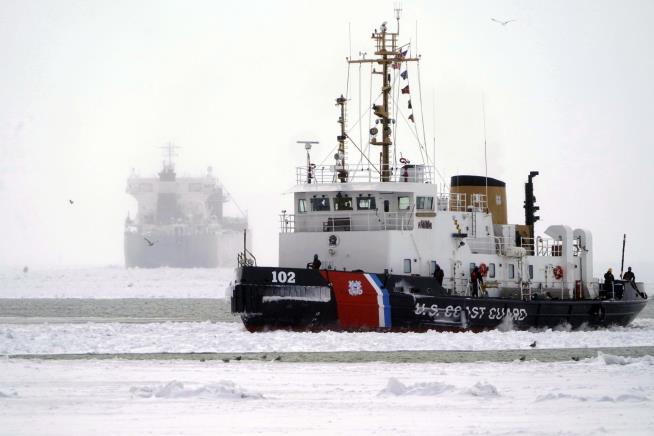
[[356, 300]]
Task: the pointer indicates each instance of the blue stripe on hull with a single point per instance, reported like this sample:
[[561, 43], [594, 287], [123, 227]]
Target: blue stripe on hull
[[386, 300]]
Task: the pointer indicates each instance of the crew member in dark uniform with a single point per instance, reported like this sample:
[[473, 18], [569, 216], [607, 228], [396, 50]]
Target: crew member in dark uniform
[[608, 280], [629, 276], [438, 275], [315, 264], [475, 276]]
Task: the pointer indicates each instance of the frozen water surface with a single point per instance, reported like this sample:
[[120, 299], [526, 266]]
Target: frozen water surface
[[602, 395], [607, 394], [185, 337], [114, 282]]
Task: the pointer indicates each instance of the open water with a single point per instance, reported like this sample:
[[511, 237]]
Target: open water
[[148, 310], [136, 310]]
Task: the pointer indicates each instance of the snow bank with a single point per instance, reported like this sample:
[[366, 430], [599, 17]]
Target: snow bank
[[229, 337], [115, 282], [175, 389], [397, 388], [610, 359], [617, 399], [483, 390]]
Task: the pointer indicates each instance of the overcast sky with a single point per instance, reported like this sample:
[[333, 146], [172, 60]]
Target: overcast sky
[[90, 90]]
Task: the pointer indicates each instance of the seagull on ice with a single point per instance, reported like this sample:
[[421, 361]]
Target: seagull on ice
[[533, 344], [150, 243], [503, 23]]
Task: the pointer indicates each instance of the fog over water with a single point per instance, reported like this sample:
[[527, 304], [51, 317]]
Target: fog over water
[[90, 90]]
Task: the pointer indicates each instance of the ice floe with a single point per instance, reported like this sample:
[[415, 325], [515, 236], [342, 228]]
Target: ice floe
[[176, 389]]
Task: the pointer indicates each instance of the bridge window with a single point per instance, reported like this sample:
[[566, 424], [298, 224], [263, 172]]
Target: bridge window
[[426, 203], [531, 271], [342, 203], [511, 271], [319, 204], [366, 203], [386, 205], [403, 203], [301, 205], [407, 266], [491, 270]]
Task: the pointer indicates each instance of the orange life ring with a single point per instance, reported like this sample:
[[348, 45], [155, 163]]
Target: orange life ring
[[483, 269], [558, 272], [403, 160]]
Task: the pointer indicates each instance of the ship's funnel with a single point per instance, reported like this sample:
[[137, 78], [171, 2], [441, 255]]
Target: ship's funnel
[[473, 186]]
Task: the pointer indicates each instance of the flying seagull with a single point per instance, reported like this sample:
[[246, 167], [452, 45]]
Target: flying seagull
[[150, 243], [503, 23], [71, 201]]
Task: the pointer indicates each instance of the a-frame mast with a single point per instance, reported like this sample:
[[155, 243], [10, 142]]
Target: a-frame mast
[[388, 53]]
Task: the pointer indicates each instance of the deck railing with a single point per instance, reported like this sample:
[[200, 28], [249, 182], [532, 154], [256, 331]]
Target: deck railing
[[505, 246], [363, 173], [490, 245], [542, 246], [461, 202], [325, 222]]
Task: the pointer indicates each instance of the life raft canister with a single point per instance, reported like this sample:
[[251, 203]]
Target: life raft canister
[[483, 269], [558, 272]]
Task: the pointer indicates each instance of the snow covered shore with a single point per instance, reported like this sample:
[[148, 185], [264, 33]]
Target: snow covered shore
[[184, 337], [602, 395]]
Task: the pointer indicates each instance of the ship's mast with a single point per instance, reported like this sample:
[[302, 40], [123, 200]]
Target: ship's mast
[[387, 53], [342, 172], [169, 153], [168, 171]]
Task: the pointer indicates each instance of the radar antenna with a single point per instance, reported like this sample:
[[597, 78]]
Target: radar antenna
[[307, 147]]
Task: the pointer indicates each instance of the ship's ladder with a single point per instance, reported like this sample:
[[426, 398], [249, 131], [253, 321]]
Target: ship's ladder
[[525, 290], [474, 224]]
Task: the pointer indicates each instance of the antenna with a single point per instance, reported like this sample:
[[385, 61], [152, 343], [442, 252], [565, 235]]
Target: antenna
[[483, 111], [433, 126], [307, 147], [169, 153]]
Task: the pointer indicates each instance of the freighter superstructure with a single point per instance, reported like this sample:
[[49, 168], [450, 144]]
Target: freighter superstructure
[[180, 222]]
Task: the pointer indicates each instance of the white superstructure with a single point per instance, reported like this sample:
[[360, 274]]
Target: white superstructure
[[406, 226]]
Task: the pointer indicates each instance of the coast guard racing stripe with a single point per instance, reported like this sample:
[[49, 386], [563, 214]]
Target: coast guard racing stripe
[[383, 300], [361, 300]]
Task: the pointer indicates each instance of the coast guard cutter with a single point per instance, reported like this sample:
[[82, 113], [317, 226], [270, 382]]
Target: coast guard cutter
[[381, 228]]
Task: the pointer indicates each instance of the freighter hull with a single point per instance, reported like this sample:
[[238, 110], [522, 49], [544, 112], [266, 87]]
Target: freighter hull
[[180, 251], [272, 298]]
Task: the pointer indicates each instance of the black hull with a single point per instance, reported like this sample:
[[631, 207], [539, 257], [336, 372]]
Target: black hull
[[357, 301]]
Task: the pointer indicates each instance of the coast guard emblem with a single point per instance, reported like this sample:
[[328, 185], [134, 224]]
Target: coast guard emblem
[[354, 288]]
